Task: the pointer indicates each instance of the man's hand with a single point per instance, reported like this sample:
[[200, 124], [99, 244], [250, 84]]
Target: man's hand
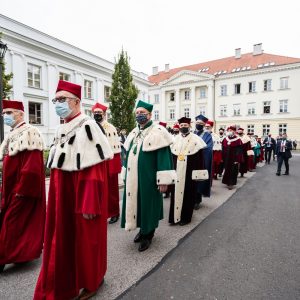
[[89, 216], [163, 188]]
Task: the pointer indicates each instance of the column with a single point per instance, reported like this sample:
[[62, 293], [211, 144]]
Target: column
[[20, 75], [193, 103], [177, 104], [51, 120], [211, 102], [99, 90]]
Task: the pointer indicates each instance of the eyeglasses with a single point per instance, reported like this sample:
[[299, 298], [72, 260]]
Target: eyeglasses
[[9, 112], [62, 99]]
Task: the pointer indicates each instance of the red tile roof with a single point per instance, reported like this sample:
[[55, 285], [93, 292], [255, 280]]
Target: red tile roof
[[227, 65]]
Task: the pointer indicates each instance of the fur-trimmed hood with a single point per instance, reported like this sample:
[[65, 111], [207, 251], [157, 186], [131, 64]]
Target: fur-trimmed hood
[[112, 136], [189, 144], [25, 137]]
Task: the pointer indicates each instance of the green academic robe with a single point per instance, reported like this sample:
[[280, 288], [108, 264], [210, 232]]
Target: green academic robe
[[148, 152]]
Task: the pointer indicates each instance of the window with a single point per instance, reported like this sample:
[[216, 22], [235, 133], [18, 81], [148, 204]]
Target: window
[[251, 108], [88, 85], [252, 86], [172, 96], [187, 112], [88, 112], [202, 110], [223, 110], [172, 114], [106, 93], [108, 115], [250, 128], [265, 129], [223, 90], [34, 76], [236, 109], [64, 76], [237, 89], [186, 95], [284, 83], [156, 115], [35, 113], [267, 85], [202, 92], [156, 98], [267, 107], [282, 128], [283, 106]]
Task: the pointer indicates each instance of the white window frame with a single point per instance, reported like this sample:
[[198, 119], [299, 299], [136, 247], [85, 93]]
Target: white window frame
[[237, 109], [187, 95], [64, 76], [282, 128], [250, 128], [267, 85], [223, 110], [156, 115], [172, 96], [252, 86], [202, 110], [33, 79], [283, 106], [88, 89], [156, 98], [186, 112], [236, 90], [284, 83], [265, 105], [35, 115], [223, 90], [251, 109], [172, 114], [266, 128], [107, 90], [202, 92]]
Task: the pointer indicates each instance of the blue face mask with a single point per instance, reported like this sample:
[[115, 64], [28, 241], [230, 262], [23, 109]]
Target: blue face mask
[[62, 109], [141, 118], [9, 120]]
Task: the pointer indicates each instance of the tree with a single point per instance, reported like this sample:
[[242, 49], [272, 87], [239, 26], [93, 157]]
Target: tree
[[123, 94], [5, 79]]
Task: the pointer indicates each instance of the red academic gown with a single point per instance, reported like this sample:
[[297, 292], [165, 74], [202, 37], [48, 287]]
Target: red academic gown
[[75, 250], [232, 153], [114, 168], [22, 218]]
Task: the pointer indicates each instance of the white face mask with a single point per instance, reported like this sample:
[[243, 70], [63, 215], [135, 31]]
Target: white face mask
[[229, 133]]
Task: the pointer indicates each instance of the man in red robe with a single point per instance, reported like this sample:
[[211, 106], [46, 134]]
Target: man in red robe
[[23, 201], [232, 156], [75, 245], [114, 165]]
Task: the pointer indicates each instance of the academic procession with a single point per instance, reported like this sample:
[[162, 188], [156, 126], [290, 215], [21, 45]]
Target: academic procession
[[70, 231]]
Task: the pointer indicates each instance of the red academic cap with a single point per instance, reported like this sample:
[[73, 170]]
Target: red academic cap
[[176, 126], [232, 127], [14, 104], [241, 129], [99, 105], [164, 124], [73, 88], [210, 123]]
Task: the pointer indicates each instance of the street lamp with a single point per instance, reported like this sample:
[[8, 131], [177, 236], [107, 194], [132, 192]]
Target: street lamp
[[3, 48]]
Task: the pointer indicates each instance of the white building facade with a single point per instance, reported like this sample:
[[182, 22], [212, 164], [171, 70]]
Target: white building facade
[[38, 61], [256, 91]]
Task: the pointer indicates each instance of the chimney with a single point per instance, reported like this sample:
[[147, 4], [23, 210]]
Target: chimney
[[257, 49], [167, 68], [238, 53], [154, 70]]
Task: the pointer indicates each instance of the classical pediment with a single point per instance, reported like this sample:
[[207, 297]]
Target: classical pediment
[[186, 77]]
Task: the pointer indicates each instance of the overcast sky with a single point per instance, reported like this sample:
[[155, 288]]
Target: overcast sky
[[156, 32]]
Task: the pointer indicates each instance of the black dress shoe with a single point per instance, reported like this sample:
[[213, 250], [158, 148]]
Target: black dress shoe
[[145, 244], [278, 174], [182, 223], [197, 206], [113, 219], [1, 268], [138, 237]]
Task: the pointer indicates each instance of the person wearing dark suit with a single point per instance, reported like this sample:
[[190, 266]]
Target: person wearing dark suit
[[270, 145], [283, 152]]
